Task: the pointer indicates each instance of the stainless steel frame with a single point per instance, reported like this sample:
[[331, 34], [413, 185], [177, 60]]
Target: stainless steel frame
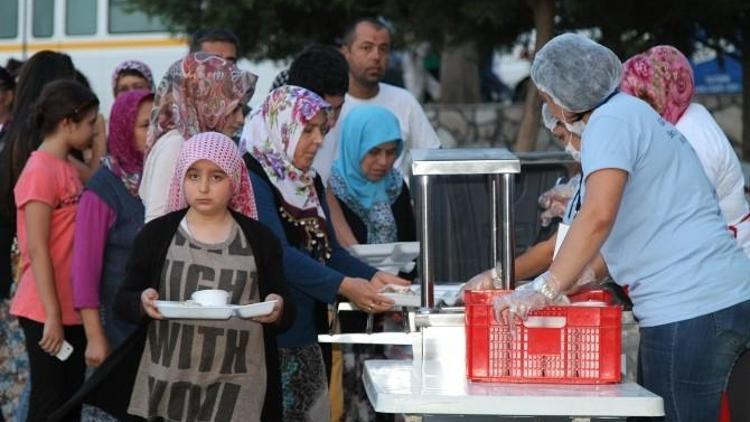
[[500, 165]]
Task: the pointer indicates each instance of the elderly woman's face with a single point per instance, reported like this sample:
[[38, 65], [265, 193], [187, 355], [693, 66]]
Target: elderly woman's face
[[310, 141], [379, 161]]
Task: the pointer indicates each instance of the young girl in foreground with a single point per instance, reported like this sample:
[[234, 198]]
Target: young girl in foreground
[[46, 197], [216, 370]]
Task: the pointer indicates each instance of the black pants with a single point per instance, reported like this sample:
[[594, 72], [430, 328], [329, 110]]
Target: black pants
[[6, 274], [53, 382]]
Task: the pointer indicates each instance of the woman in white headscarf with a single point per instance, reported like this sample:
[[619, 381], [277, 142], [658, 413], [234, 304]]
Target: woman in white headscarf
[[651, 213]]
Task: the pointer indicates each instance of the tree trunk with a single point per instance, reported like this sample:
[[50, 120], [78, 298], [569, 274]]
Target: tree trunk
[[746, 101], [459, 74], [544, 15]]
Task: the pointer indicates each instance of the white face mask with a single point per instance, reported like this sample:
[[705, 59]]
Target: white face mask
[[570, 149]]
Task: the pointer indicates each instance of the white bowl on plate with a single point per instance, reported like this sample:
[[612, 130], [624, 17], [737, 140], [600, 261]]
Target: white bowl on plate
[[211, 297]]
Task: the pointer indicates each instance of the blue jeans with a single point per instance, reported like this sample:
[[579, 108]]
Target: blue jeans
[[688, 362]]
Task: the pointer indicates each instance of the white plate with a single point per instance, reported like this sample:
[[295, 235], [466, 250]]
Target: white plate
[[390, 257], [190, 310], [404, 299], [255, 309]]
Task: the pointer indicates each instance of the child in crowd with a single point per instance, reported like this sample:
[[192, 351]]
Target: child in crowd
[[219, 370], [199, 93], [110, 214], [46, 197]]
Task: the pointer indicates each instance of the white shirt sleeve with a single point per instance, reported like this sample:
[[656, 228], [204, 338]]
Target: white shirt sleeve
[[419, 134], [718, 159], [157, 174], [422, 133]]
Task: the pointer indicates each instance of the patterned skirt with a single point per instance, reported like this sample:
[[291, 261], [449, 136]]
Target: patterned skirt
[[14, 363], [304, 384]]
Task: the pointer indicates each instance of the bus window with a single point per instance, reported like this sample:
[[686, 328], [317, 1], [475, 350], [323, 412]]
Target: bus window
[[9, 19], [80, 17], [44, 18], [122, 18]]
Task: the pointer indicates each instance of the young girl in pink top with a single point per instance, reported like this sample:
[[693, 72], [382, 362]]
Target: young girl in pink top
[[46, 197]]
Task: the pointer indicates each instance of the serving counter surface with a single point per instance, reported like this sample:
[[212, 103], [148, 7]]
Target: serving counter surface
[[432, 387]]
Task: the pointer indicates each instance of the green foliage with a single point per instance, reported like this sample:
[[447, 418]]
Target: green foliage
[[630, 27], [267, 29], [279, 28]]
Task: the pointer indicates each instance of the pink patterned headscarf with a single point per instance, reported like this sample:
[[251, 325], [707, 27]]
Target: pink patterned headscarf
[[123, 158], [220, 150], [662, 77], [196, 95]]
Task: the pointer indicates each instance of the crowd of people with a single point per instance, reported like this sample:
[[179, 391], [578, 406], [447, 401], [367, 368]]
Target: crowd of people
[[182, 189]]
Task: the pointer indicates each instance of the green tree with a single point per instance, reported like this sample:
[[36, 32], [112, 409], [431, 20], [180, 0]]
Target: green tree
[[267, 29], [459, 29]]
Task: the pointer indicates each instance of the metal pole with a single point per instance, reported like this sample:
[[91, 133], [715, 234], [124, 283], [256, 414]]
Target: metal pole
[[426, 275], [495, 194], [508, 238]]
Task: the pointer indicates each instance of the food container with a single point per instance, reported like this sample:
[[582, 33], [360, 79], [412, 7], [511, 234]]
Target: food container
[[576, 344]]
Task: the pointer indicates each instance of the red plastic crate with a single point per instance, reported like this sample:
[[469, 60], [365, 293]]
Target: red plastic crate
[[574, 344]]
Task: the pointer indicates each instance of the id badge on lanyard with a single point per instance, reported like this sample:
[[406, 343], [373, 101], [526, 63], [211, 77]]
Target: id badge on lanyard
[[562, 231]]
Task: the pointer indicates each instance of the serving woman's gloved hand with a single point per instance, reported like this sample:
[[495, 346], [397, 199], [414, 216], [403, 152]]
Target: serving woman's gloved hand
[[486, 280], [543, 291]]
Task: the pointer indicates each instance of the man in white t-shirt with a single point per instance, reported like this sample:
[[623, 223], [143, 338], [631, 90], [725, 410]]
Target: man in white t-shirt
[[366, 46]]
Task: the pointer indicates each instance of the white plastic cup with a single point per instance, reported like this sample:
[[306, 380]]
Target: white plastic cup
[[211, 297]]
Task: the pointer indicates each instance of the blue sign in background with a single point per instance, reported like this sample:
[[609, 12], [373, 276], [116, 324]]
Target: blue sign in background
[[718, 76]]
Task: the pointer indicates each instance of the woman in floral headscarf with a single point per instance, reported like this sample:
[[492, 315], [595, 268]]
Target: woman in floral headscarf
[[199, 93], [109, 216], [131, 75], [662, 77], [282, 138]]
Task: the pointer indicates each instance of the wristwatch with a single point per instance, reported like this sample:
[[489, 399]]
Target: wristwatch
[[546, 286]]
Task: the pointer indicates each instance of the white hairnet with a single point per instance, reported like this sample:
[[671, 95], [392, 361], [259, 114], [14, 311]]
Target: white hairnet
[[576, 72]]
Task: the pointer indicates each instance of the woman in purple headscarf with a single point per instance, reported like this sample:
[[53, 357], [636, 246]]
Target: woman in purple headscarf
[[110, 214]]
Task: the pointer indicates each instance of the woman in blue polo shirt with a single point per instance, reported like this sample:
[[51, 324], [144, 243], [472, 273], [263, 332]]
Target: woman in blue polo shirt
[[650, 211]]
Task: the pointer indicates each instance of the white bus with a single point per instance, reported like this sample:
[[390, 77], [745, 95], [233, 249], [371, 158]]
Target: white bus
[[98, 35]]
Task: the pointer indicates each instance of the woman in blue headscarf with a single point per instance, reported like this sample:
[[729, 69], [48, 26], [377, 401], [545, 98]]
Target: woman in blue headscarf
[[377, 209], [370, 191]]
